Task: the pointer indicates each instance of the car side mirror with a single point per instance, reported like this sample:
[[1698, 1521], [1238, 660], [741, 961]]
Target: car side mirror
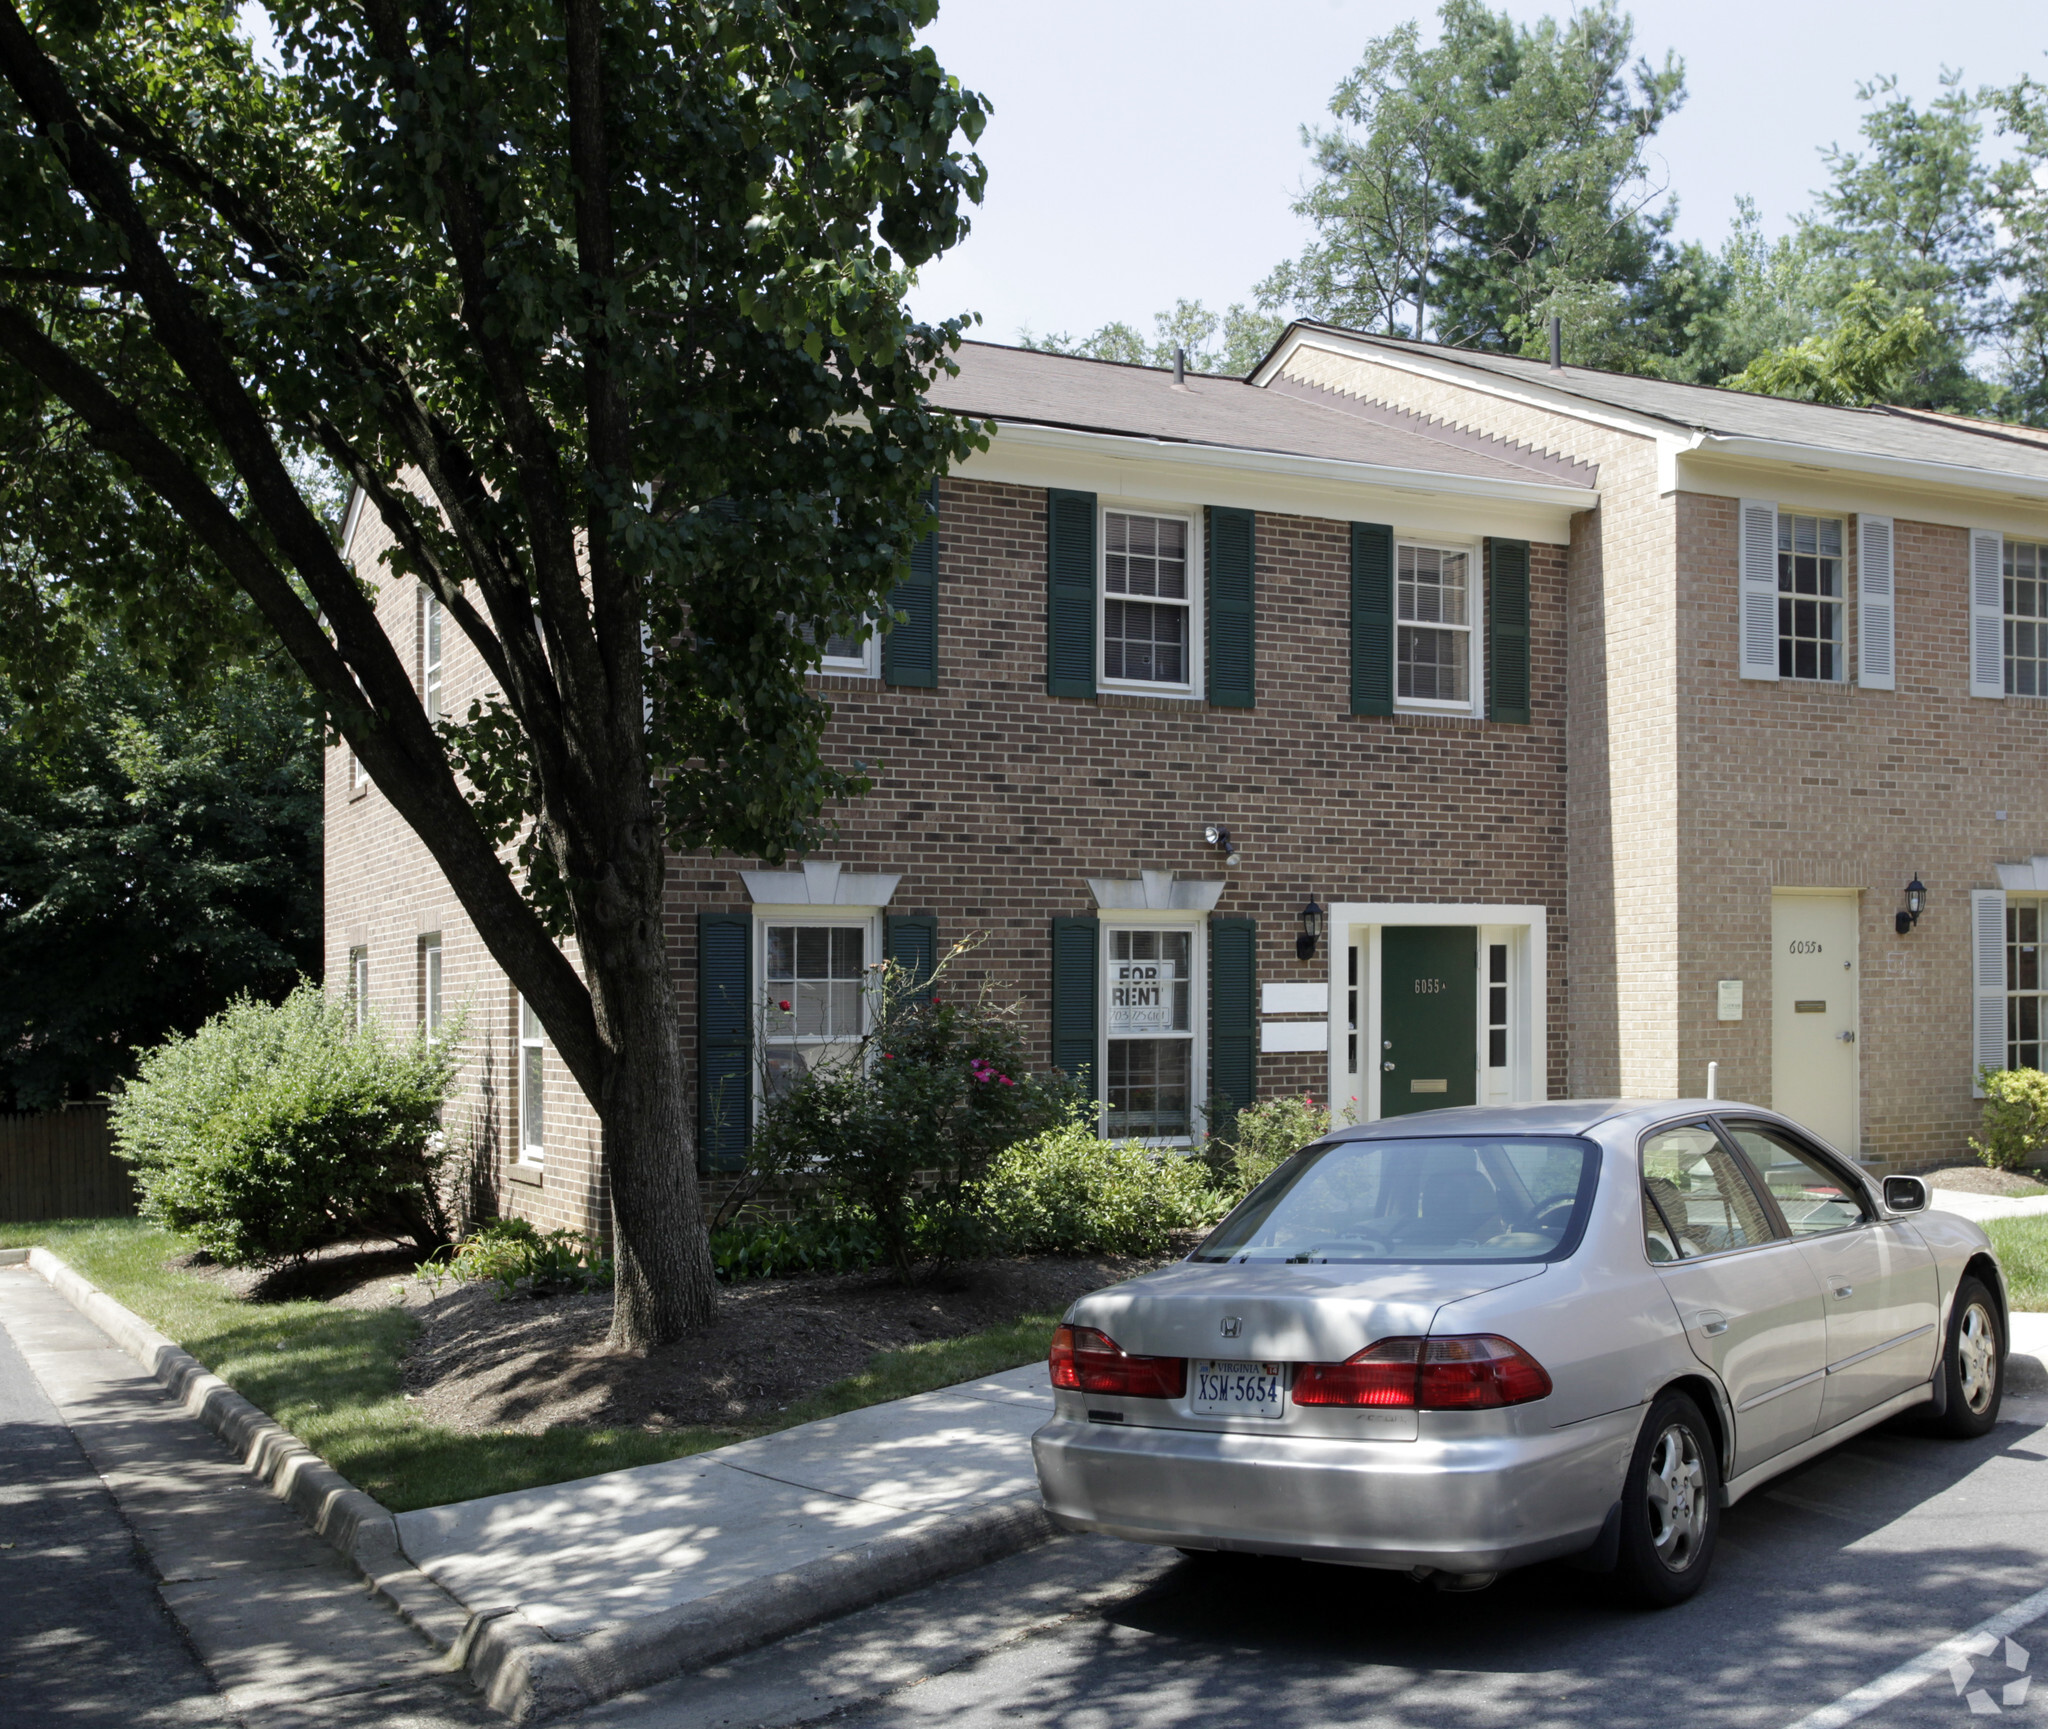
[[1905, 1195]]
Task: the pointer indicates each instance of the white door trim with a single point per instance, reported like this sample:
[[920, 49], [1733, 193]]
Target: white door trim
[[1525, 927]]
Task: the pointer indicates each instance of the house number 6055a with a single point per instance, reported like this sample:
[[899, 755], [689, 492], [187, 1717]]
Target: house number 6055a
[[1429, 987], [1804, 948]]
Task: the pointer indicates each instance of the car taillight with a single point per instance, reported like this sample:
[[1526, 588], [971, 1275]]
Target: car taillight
[[1086, 1360], [1477, 1373]]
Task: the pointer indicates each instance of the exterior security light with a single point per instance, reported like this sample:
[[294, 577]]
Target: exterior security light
[[1219, 837], [1916, 900], [1311, 930]]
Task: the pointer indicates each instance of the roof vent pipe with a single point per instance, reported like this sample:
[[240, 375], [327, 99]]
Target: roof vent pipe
[[1180, 366], [1557, 345]]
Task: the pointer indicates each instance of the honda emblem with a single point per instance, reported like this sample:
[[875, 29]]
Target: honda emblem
[[1231, 1324]]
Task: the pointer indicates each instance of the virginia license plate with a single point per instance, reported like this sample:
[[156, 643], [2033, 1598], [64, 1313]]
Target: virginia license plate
[[1236, 1389]]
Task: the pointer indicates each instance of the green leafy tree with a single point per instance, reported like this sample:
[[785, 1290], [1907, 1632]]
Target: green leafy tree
[[1870, 356], [602, 309], [1233, 341], [2018, 333], [1471, 189], [159, 856]]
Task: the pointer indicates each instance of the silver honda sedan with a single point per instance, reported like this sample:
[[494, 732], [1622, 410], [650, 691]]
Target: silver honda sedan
[[1460, 1342]]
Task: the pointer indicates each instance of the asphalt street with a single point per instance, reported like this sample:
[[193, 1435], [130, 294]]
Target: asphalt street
[[1826, 1581]]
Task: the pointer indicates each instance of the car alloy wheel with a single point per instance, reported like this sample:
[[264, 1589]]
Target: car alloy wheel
[[1677, 1490], [1977, 1358]]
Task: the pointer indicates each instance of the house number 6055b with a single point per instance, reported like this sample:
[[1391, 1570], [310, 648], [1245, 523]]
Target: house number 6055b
[[1804, 948], [1429, 987]]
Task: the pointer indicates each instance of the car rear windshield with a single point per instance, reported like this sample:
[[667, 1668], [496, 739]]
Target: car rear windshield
[[1434, 1198]]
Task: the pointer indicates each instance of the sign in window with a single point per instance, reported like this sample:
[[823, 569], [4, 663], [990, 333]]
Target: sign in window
[[1149, 1089]]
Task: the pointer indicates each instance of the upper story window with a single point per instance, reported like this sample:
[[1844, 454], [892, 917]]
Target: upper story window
[[1148, 604], [1433, 626], [1812, 598], [430, 655], [2026, 619]]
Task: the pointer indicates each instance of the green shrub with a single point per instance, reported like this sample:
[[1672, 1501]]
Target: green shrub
[[527, 1263], [1065, 1192], [780, 1249], [904, 1132], [2015, 1119], [1246, 1147], [276, 1129]]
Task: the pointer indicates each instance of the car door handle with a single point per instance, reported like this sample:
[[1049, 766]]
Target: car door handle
[[1845, 1290], [1712, 1322]]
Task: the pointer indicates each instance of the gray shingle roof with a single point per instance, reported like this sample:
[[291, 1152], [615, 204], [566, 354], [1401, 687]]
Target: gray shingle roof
[[1028, 386], [1904, 434]]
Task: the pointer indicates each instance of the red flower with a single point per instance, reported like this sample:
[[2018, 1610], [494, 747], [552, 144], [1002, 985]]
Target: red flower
[[783, 1005]]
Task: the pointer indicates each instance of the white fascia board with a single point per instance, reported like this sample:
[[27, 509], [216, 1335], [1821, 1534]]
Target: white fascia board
[[1129, 466], [1525, 391], [1898, 470]]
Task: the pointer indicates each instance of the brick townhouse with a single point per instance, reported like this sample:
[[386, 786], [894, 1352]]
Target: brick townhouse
[[1594, 726]]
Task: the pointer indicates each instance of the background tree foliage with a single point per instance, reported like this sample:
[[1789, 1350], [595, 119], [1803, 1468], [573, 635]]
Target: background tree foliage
[[159, 856]]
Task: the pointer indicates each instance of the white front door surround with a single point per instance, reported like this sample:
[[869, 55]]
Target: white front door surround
[[1522, 930]]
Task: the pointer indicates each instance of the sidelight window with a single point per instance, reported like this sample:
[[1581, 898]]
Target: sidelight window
[[532, 1086], [2023, 988]]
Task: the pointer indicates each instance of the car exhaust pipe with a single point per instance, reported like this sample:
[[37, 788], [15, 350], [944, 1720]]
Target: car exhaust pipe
[[1451, 1581]]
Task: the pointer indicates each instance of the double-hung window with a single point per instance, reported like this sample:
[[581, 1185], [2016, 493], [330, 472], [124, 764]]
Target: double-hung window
[[430, 655], [1148, 600], [2023, 991], [1812, 598], [1150, 1060], [848, 655], [2026, 619], [359, 985], [814, 984], [532, 1086], [1434, 597]]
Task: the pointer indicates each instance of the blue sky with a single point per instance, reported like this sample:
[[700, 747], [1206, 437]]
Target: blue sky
[[1146, 149]]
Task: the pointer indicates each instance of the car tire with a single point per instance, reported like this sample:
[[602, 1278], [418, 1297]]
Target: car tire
[[1670, 1507], [1973, 1363]]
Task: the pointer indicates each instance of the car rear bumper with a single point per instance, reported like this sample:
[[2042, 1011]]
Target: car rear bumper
[[1474, 1504]]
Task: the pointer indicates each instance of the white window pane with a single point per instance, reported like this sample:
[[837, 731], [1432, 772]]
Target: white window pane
[[531, 1113], [529, 1023], [781, 952]]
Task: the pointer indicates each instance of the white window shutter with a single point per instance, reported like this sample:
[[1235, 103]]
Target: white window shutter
[[1987, 612], [1759, 621], [1987, 976], [1875, 600]]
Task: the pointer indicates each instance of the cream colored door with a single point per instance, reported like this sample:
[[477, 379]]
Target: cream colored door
[[1814, 1019]]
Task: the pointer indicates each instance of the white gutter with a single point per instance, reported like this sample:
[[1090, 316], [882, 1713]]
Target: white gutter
[[1068, 440], [1897, 468]]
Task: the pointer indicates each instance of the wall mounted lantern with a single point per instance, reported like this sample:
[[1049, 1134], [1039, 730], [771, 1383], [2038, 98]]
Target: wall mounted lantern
[[1311, 931], [1219, 837], [1916, 899]]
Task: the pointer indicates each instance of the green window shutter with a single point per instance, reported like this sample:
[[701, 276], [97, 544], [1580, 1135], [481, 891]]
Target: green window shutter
[[910, 651], [725, 1081], [1232, 619], [1372, 618], [1069, 593], [1076, 968], [911, 940], [1233, 1011], [1507, 631]]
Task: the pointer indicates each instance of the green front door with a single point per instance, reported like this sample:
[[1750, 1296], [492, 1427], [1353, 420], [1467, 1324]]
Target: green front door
[[1429, 1007]]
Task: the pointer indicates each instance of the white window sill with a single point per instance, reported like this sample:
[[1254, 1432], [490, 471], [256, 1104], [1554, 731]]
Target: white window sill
[[1454, 710], [1127, 687]]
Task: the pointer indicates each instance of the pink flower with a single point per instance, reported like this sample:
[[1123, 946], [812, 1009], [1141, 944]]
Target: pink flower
[[1005, 1079]]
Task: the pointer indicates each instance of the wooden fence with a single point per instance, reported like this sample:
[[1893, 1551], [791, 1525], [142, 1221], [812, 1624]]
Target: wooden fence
[[61, 1165]]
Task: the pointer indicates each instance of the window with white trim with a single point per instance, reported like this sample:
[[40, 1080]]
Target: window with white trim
[[1434, 605], [430, 985], [1150, 1060], [430, 655], [2026, 619], [1149, 585], [2023, 990], [359, 985], [814, 995], [848, 655], [1812, 598], [533, 1042]]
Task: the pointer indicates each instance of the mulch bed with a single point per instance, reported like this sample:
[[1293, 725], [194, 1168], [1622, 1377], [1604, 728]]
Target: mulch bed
[[527, 1364], [1983, 1180]]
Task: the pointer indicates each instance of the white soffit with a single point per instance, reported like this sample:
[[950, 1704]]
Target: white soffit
[[1155, 892], [2029, 878], [818, 884]]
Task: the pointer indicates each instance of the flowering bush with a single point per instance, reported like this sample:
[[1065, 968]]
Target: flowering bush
[[903, 1134], [2015, 1119], [1067, 1192], [1246, 1146]]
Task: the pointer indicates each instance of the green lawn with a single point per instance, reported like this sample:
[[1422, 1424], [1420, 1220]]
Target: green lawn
[[330, 1375], [2022, 1246]]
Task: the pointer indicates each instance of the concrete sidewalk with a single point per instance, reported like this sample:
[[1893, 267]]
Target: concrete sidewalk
[[1987, 1206]]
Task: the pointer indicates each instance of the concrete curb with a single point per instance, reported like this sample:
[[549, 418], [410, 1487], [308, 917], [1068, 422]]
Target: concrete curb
[[520, 1668]]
